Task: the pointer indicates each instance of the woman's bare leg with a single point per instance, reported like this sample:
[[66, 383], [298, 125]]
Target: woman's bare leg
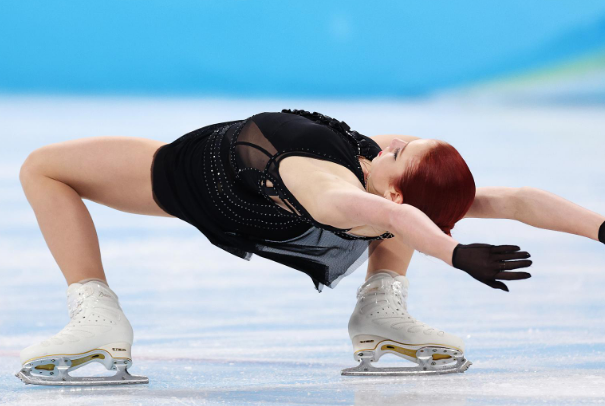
[[391, 254], [113, 171]]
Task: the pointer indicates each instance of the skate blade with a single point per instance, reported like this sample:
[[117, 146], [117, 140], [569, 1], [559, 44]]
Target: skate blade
[[430, 360], [54, 370], [367, 369], [122, 377]]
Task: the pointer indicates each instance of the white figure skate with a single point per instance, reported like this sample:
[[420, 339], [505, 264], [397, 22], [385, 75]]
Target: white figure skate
[[380, 324], [98, 332]]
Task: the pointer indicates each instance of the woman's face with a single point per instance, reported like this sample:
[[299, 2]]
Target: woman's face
[[392, 161]]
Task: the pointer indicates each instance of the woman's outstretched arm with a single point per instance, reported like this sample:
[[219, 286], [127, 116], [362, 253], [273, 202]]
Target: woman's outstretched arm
[[543, 209], [350, 207]]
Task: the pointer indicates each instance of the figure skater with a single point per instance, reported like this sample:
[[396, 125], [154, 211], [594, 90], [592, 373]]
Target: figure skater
[[298, 188]]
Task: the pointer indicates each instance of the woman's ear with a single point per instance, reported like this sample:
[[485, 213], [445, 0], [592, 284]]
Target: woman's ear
[[393, 195]]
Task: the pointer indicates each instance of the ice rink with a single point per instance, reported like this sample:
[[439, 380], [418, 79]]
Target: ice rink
[[211, 328]]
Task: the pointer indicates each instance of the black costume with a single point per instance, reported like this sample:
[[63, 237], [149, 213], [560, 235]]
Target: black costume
[[214, 178]]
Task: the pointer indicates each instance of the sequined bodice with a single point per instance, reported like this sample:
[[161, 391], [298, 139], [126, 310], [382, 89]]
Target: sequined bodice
[[258, 144]]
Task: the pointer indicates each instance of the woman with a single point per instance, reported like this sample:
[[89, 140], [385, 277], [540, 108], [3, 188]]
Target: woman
[[298, 188]]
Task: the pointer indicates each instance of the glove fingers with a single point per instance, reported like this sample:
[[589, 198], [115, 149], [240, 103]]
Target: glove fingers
[[512, 276], [508, 265], [497, 285], [499, 249], [511, 255]]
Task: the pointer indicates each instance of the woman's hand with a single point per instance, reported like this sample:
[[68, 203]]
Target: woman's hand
[[486, 263]]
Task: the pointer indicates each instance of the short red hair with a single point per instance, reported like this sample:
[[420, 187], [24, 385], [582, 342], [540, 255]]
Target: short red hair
[[440, 184]]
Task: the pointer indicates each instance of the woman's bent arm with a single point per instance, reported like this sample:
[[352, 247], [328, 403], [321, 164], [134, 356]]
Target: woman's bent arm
[[543, 209], [418, 231]]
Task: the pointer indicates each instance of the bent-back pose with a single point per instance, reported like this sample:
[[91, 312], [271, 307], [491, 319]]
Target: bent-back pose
[[298, 188]]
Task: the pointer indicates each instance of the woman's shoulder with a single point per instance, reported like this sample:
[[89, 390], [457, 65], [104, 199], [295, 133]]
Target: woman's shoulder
[[341, 206]]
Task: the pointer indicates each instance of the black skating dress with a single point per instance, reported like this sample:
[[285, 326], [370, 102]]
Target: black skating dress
[[214, 178]]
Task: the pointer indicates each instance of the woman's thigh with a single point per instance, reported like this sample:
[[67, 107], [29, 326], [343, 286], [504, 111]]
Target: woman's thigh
[[113, 171]]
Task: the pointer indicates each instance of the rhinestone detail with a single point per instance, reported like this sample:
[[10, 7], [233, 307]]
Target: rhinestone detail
[[226, 198]]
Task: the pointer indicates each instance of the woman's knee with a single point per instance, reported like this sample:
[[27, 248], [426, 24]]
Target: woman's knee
[[32, 166]]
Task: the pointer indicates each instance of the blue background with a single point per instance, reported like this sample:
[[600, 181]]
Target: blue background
[[286, 48], [517, 87]]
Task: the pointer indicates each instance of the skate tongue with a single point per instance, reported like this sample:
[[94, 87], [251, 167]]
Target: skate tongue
[[77, 293], [375, 284], [97, 287], [73, 287], [384, 273], [383, 282], [388, 271]]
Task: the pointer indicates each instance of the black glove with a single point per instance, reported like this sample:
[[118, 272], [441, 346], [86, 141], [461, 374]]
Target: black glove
[[486, 263]]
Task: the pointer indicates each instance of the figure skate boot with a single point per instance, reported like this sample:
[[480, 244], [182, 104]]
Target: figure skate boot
[[381, 324], [98, 332]]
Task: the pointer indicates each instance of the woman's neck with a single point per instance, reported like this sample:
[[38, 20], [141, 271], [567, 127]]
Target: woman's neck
[[366, 165]]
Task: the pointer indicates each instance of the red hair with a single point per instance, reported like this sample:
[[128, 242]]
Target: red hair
[[440, 184]]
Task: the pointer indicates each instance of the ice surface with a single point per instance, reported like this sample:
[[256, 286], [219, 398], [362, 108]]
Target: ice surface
[[211, 328]]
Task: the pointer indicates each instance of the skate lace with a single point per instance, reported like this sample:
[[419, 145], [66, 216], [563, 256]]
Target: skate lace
[[75, 300], [79, 300], [400, 293], [385, 290], [396, 295]]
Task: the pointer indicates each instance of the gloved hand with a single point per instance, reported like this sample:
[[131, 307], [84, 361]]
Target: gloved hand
[[486, 263]]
